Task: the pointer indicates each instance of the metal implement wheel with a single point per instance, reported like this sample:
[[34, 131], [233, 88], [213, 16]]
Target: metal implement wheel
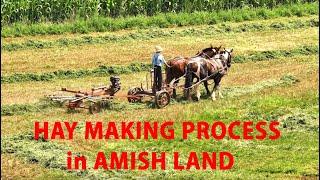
[[162, 98], [132, 92], [94, 108]]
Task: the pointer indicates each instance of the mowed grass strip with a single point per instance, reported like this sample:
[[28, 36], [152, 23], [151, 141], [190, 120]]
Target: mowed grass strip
[[240, 74], [101, 24], [125, 53], [146, 35], [105, 70]]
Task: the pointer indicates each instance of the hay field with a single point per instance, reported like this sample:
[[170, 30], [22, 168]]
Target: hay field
[[283, 88]]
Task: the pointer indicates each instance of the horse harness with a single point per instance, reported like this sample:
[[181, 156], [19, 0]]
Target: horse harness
[[216, 63]]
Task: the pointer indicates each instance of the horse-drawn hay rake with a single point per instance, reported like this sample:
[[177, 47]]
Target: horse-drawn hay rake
[[99, 98], [93, 100]]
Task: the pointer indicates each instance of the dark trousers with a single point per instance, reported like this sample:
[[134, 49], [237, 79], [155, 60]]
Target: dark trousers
[[157, 76]]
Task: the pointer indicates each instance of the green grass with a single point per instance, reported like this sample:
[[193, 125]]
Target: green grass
[[264, 159], [294, 155], [138, 67], [210, 30], [102, 24]]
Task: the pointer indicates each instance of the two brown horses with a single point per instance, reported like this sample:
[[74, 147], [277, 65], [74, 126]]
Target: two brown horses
[[177, 67]]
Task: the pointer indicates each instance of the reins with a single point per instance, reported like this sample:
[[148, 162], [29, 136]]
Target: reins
[[165, 62]]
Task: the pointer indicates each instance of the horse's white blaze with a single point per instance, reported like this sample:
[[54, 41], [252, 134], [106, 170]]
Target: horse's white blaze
[[225, 55]]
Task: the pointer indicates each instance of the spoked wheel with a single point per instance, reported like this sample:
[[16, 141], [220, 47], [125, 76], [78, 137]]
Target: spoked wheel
[[132, 98], [95, 108], [162, 99]]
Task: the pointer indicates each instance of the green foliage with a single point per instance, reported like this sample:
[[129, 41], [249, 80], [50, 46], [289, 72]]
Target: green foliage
[[146, 35], [59, 10], [101, 23]]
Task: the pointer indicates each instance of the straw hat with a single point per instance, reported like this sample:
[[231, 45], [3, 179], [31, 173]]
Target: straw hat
[[158, 49]]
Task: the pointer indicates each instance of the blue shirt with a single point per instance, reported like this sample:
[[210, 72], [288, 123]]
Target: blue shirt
[[157, 59]]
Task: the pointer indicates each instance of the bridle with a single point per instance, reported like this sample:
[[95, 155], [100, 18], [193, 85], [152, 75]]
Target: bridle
[[228, 62], [229, 59]]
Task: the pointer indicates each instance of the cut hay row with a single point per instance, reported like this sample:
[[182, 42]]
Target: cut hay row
[[162, 33], [90, 56], [138, 67], [18, 109]]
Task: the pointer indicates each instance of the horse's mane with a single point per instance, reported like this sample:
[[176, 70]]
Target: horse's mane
[[207, 49], [203, 50]]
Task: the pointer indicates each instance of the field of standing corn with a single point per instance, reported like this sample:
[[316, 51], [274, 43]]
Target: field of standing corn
[[60, 10], [161, 20]]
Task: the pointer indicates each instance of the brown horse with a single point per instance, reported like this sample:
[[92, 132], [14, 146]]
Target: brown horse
[[205, 69], [176, 68]]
